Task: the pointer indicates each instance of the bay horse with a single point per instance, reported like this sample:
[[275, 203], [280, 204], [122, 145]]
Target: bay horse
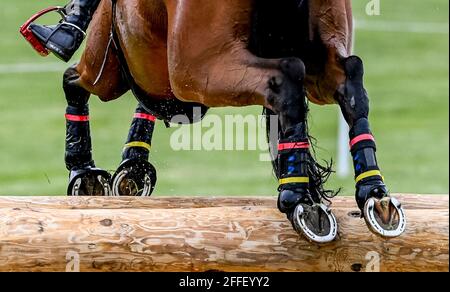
[[176, 55]]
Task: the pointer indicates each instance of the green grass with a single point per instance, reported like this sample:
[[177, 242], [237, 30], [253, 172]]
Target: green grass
[[406, 76]]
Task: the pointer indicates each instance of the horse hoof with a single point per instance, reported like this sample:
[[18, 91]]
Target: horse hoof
[[317, 223], [385, 217], [89, 182], [135, 177]]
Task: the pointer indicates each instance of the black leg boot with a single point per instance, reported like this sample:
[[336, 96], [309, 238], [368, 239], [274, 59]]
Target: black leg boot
[[85, 179], [65, 38], [368, 177], [382, 213], [135, 175], [305, 210], [293, 171]]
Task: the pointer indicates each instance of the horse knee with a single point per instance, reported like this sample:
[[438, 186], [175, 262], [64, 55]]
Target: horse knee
[[75, 94], [80, 83]]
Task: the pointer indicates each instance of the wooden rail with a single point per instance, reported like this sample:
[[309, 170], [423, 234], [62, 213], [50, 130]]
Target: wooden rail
[[203, 234]]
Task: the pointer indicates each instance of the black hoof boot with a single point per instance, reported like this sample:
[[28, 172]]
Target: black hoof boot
[[308, 215], [134, 177], [89, 182], [289, 199], [370, 189]]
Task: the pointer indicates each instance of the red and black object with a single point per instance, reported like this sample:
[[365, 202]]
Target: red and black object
[[78, 138], [368, 177], [136, 176], [293, 160], [363, 149], [30, 37], [293, 157], [140, 136]]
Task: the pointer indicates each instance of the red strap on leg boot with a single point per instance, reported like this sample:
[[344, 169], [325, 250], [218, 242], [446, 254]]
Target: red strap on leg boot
[[30, 37]]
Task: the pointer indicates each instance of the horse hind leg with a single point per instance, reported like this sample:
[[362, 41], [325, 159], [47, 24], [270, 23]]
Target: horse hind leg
[[297, 198], [383, 214], [135, 175], [85, 179], [230, 75]]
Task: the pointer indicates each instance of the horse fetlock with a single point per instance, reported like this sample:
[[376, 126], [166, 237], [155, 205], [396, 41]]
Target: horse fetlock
[[289, 199], [78, 160], [374, 188], [89, 181], [76, 96]]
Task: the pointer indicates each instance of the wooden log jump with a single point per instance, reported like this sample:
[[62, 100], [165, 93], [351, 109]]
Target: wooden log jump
[[204, 234]]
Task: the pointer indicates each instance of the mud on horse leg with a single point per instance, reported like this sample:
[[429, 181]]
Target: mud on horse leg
[[85, 178], [383, 214], [303, 208], [135, 175]]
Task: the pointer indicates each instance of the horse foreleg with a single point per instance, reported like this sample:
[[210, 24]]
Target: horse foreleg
[[383, 214], [85, 178], [135, 175]]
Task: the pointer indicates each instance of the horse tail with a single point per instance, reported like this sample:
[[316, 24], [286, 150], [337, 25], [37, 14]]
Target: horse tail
[[272, 140]]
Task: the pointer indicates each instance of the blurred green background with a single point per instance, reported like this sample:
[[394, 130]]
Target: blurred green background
[[406, 57]]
